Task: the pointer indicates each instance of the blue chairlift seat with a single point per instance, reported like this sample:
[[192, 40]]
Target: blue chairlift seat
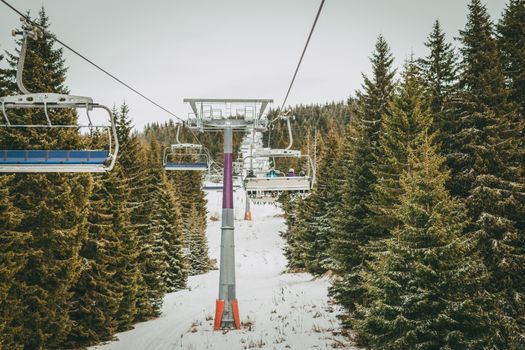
[[201, 166], [54, 161], [30, 157]]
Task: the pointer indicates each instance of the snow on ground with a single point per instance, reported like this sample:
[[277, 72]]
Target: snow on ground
[[278, 310]]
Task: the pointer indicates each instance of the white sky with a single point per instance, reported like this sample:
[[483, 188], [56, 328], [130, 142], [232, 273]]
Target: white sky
[[232, 48]]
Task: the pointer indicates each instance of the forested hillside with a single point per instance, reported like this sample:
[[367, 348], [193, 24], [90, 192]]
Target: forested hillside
[[416, 220], [419, 205], [85, 256]]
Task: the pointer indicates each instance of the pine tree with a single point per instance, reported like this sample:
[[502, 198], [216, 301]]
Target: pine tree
[[295, 214], [439, 72], [153, 258], [401, 129], [13, 258], [53, 207], [171, 225], [424, 288], [97, 294], [197, 243], [511, 39], [127, 274], [317, 233], [354, 228], [134, 162], [483, 152]]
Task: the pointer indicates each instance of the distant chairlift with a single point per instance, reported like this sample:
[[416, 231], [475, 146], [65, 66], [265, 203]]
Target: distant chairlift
[[213, 181], [268, 185], [186, 156], [46, 161]]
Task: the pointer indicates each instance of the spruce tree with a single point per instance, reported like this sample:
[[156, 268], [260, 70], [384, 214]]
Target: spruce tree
[[152, 255], [197, 243], [97, 294], [53, 206], [439, 73], [425, 286], [171, 226], [13, 258], [134, 162], [407, 117], [483, 150], [127, 273], [511, 40], [295, 214], [354, 228], [317, 234]]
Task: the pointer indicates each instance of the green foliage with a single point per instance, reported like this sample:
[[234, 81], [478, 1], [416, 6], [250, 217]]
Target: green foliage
[[511, 40], [13, 259], [96, 295], [53, 209], [425, 286], [187, 188], [353, 224], [197, 243], [309, 235], [401, 129], [439, 73], [483, 150]]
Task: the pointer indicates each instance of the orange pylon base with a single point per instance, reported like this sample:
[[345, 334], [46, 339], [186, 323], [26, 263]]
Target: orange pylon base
[[219, 310], [248, 216], [236, 318]]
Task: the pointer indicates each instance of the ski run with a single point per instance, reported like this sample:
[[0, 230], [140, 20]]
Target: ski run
[[278, 310]]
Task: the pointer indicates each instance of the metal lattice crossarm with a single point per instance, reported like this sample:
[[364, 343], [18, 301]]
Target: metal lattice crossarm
[[213, 114]]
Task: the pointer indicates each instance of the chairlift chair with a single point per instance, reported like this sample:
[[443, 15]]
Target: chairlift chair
[[214, 182], [185, 156], [262, 188], [53, 160]]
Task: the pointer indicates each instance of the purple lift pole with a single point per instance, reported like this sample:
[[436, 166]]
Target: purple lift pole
[[227, 309]]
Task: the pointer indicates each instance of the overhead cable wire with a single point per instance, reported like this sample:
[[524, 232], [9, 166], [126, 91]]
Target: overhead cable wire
[[120, 81], [302, 54], [296, 70]]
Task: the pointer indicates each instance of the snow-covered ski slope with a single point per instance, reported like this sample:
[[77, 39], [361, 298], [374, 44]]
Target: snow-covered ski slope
[[278, 310]]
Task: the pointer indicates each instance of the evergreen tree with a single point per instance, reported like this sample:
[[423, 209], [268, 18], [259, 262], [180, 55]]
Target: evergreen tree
[[152, 256], [483, 151], [169, 223], [317, 229], [53, 206], [97, 294], [295, 213], [401, 129], [134, 162], [511, 39], [127, 273], [424, 288], [439, 72], [353, 225], [197, 243], [13, 258]]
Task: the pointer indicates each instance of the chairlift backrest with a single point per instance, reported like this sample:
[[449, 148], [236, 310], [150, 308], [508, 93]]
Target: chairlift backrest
[[186, 157], [44, 161]]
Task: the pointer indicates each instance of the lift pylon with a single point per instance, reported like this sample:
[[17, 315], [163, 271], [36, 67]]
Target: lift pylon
[[227, 115]]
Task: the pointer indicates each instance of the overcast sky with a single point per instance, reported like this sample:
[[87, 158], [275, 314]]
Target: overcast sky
[[174, 49]]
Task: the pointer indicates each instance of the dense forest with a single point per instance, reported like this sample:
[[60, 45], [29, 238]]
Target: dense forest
[[417, 214], [419, 207], [85, 256]]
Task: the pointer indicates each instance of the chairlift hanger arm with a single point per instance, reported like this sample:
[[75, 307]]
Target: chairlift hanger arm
[[86, 59]]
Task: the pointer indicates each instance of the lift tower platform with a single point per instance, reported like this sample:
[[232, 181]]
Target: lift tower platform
[[227, 115]]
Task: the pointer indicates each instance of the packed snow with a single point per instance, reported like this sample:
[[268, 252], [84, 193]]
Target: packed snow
[[278, 310]]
